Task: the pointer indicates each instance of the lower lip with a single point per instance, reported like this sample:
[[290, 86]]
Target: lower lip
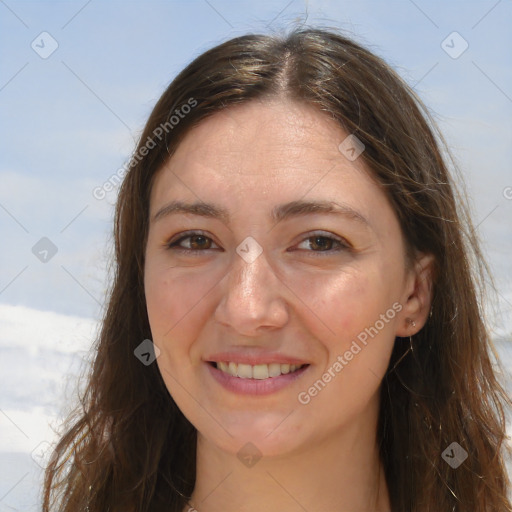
[[254, 386]]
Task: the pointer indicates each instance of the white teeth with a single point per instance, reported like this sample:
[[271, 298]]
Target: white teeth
[[258, 371], [274, 369], [244, 371], [232, 369], [223, 366]]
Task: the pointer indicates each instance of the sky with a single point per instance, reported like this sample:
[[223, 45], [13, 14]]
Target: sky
[[71, 120], [78, 80]]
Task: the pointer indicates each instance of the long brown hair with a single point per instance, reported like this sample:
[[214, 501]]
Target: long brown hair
[[129, 448]]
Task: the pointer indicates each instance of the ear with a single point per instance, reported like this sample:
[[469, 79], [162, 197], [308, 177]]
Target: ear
[[417, 296]]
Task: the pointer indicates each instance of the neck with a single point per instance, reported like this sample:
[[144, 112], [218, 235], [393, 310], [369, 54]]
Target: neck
[[341, 473]]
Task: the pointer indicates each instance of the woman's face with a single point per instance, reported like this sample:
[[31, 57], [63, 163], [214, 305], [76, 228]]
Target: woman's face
[[255, 279]]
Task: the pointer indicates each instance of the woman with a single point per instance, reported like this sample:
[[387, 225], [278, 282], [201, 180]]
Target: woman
[[290, 249]]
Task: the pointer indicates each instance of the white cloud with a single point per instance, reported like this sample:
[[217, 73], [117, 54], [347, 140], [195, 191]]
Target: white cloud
[[42, 354], [37, 331]]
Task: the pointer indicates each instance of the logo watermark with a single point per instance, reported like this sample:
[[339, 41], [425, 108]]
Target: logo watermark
[[147, 352], [454, 45], [44, 45], [249, 455], [351, 147], [249, 249], [454, 455]]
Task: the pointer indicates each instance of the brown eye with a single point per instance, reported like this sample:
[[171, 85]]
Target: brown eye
[[192, 242], [199, 242], [322, 243]]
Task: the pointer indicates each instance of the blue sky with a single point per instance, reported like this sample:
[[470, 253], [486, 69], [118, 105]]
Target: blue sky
[[71, 120]]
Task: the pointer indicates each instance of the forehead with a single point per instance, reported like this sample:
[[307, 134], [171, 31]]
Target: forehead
[[278, 132], [262, 152]]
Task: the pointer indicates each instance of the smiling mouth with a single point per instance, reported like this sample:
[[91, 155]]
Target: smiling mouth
[[258, 371]]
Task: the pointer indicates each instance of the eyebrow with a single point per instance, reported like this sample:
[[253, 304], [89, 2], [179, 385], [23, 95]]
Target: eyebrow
[[279, 213]]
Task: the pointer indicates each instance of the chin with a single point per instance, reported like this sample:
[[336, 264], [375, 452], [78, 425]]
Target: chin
[[267, 437]]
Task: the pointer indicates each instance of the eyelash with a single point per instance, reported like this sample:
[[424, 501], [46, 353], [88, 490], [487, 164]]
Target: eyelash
[[173, 244]]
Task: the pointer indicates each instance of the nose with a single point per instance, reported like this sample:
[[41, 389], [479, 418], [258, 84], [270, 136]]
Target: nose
[[253, 298]]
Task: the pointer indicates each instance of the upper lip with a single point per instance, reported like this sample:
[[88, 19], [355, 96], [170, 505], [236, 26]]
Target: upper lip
[[254, 359]]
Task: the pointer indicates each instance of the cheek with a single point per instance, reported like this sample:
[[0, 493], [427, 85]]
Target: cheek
[[175, 306], [173, 298], [360, 308], [352, 316], [340, 306]]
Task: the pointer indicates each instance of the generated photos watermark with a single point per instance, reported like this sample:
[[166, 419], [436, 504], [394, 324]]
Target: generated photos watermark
[[147, 352], [305, 397], [454, 455], [115, 180], [351, 148]]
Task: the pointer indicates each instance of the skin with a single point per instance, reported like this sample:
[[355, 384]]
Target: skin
[[298, 297]]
